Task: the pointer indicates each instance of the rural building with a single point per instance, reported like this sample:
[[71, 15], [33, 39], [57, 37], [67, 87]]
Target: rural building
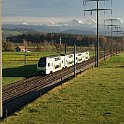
[[20, 49]]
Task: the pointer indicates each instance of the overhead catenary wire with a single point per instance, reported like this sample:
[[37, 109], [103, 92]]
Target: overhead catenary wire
[[69, 6], [97, 30], [111, 21]]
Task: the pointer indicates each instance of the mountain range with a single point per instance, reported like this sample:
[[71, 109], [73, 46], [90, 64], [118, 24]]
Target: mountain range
[[74, 26]]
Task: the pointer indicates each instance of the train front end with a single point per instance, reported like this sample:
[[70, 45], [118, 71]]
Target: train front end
[[41, 66]]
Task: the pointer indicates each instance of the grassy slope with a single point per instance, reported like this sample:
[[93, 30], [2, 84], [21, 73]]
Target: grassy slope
[[94, 97]]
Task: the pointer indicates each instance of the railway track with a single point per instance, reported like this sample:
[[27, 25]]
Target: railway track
[[18, 94]]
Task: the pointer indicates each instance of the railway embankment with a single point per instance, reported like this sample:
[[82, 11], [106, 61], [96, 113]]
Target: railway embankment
[[95, 96]]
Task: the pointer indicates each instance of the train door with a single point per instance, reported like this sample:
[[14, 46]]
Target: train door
[[83, 56], [63, 61], [57, 63], [49, 65]]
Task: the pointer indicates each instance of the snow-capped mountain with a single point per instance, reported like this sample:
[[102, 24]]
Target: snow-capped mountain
[[91, 22], [24, 23], [74, 22], [73, 26]]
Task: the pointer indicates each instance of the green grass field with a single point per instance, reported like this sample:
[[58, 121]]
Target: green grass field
[[94, 97]]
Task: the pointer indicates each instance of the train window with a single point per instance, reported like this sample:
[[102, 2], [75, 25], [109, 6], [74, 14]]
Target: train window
[[57, 66], [70, 56], [79, 54], [56, 59], [42, 62], [48, 64]]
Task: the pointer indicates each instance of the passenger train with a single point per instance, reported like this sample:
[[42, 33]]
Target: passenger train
[[47, 65]]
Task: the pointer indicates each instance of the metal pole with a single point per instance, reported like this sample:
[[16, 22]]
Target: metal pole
[[60, 40], [97, 47], [65, 49], [123, 43], [104, 52], [97, 30], [95, 51], [1, 106], [74, 60], [111, 39], [25, 59], [116, 48]]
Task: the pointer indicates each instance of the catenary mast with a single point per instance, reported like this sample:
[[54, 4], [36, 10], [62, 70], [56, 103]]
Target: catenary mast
[[1, 109]]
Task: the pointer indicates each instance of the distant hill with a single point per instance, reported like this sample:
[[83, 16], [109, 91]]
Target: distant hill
[[72, 31], [7, 33], [74, 26], [15, 31], [49, 29]]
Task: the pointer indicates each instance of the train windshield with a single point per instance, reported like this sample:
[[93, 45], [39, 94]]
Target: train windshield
[[42, 62]]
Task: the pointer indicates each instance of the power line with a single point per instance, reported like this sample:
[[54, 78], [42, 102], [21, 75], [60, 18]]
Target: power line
[[117, 30], [122, 40], [97, 9], [69, 6], [111, 20]]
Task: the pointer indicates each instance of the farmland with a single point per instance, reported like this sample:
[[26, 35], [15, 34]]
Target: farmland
[[14, 67], [94, 97]]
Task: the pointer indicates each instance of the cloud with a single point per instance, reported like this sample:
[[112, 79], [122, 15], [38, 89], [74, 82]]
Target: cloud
[[34, 20]]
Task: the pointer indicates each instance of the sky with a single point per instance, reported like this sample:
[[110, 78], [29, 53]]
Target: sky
[[46, 11]]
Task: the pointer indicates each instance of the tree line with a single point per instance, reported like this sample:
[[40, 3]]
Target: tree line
[[68, 39], [54, 39]]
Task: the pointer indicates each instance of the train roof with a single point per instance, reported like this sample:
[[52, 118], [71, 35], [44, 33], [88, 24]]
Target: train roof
[[59, 55], [51, 56]]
